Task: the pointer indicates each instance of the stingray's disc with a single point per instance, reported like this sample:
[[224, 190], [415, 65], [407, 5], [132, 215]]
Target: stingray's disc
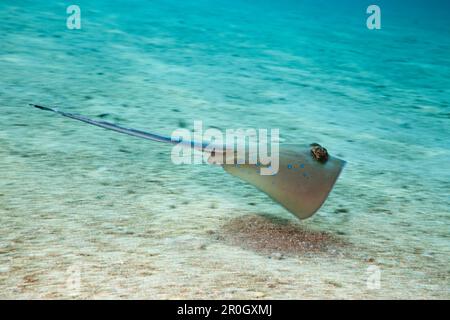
[[302, 183]]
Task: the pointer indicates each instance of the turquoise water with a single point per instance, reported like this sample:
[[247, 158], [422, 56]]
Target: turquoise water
[[115, 212]]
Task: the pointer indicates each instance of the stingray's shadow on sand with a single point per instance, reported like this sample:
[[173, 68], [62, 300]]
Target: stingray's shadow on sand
[[277, 236]]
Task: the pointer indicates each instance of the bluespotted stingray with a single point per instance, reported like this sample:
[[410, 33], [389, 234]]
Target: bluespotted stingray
[[305, 176]]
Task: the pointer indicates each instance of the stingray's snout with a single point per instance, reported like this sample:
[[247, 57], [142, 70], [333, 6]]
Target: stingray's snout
[[319, 153]]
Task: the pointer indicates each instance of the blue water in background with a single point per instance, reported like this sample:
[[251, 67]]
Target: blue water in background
[[377, 98]]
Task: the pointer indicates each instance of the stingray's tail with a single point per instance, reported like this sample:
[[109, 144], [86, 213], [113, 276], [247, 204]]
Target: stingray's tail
[[112, 126]]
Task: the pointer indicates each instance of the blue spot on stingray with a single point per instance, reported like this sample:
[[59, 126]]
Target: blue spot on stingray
[[302, 166], [289, 166]]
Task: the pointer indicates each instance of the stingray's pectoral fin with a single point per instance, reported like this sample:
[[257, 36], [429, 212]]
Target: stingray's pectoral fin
[[302, 183]]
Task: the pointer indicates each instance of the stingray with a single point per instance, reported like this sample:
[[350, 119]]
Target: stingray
[[304, 179]]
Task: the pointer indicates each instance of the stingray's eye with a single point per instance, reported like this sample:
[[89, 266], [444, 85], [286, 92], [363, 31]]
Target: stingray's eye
[[319, 153]]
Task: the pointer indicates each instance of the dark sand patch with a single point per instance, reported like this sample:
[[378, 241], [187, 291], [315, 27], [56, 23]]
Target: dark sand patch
[[278, 237]]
